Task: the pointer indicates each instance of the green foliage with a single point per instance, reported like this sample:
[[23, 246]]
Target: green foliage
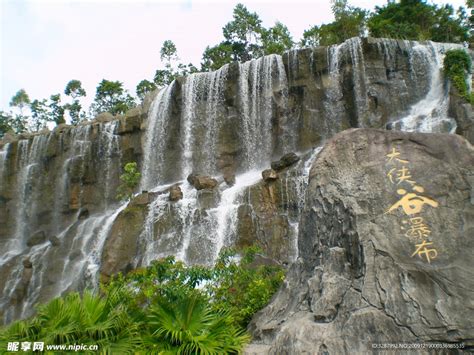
[[234, 284], [349, 22], [245, 38], [166, 308], [20, 100], [144, 87], [89, 319], [39, 114], [244, 34], [457, 65], [111, 97], [74, 89], [241, 287], [56, 109], [418, 20], [190, 326], [10, 123], [276, 39], [129, 181], [168, 51], [215, 57], [173, 69]]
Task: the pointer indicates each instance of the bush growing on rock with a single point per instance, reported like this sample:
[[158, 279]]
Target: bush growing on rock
[[457, 65], [129, 181]]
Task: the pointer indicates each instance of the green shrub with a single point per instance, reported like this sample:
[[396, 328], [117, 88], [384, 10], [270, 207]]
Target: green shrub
[[189, 325], [90, 319], [457, 65], [129, 181], [166, 308]]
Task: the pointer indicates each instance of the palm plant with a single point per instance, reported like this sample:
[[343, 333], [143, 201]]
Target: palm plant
[[73, 319], [189, 325]]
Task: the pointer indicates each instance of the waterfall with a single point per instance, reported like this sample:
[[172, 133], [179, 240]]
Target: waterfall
[[66, 247], [79, 150], [430, 114], [200, 122], [235, 120], [156, 137], [257, 83], [109, 147]]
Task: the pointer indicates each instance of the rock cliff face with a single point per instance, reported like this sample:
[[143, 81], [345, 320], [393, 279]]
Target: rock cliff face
[[62, 229], [385, 248]]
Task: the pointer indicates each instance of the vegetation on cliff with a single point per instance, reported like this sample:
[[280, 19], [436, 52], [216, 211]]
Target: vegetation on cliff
[[457, 64], [167, 307], [129, 180]]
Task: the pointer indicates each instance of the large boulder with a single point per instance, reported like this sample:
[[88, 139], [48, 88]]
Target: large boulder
[[285, 161], [38, 237], [201, 182], [121, 246], [175, 193], [269, 175], [385, 248]]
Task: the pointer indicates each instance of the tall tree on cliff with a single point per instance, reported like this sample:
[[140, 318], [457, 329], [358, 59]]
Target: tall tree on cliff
[[418, 20], [245, 38], [75, 91], [348, 22], [20, 101], [111, 97]]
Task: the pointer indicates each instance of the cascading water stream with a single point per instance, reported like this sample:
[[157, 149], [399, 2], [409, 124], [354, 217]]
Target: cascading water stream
[[202, 94], [431, 113]]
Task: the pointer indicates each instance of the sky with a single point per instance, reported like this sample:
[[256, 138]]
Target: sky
[[46, 43]]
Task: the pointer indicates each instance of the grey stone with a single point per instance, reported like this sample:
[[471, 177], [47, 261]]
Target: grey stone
[[175, 193], [360, 278], [37, 238], [269, 175], [201, 182], [285, 161]]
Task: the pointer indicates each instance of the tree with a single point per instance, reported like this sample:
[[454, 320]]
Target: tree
[[20, 120], [111, 97], [6, 123], [39, 114], [20, 100], [276, 39], [215, 57], [75, 91], [348, 22], [244, 33], [144, 87], [417, 20], [56, 109], [168, 51], [245, 38], [129, 181], [163, 77]]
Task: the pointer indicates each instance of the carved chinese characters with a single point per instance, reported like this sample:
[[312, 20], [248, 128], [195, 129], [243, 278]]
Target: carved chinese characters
[[412, 202]]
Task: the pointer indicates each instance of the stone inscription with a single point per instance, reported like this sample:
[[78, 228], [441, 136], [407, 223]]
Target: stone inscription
[[412, 203]]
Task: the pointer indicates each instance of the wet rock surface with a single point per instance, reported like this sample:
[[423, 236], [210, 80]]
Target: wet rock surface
[[285, 161], [376, 264], [201, 182]]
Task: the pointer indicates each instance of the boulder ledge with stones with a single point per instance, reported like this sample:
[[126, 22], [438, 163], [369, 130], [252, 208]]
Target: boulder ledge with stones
[[385, 249]]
